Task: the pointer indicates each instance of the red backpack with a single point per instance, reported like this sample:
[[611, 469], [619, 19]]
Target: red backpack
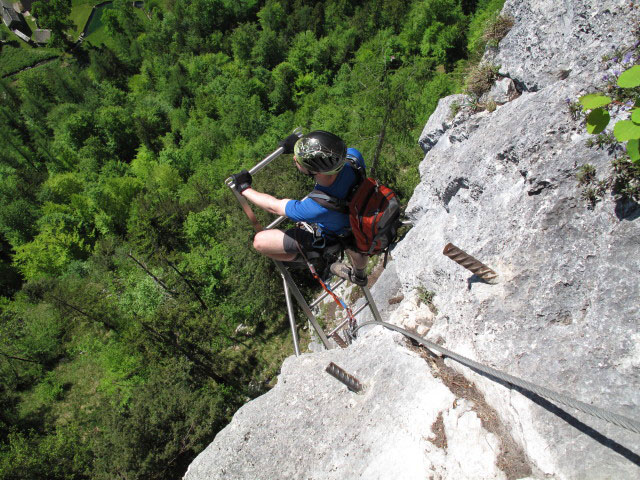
[[374, 215], [374, 212]]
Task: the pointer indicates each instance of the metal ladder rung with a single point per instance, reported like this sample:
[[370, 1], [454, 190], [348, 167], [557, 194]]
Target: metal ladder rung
[[345, 320]]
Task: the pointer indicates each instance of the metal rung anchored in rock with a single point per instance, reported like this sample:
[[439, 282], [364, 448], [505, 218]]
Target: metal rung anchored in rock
[[350, 381], [470, 263]]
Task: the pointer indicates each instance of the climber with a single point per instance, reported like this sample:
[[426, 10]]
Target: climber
[[321, 155]]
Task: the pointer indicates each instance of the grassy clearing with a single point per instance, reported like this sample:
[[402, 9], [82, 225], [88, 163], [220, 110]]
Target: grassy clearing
[[63, 387], [46, 65], [97, 33], [11, 38], [79, 16], [13, 58]]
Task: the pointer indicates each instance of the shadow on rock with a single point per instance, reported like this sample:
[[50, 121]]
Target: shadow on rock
[[582, 427], [627, 210], [567, 417]]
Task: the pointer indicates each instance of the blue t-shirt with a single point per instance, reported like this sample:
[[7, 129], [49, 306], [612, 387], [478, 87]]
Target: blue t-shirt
[[310, 211]]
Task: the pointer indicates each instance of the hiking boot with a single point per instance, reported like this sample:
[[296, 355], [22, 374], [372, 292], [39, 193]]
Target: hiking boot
[[343, 271]]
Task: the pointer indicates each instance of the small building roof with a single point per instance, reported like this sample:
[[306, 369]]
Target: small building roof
[[9, 15], [41, 36], [21, 35]]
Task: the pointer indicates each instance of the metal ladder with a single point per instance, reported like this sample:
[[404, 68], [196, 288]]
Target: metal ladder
[[289, 285]]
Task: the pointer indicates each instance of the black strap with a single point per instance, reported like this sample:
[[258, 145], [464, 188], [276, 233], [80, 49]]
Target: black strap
[[329, 201]]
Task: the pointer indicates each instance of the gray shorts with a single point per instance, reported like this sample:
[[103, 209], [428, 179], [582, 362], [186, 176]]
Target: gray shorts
[[295, 236]]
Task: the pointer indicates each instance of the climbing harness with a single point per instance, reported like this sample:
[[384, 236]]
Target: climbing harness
[[352, 321], [619, 420]]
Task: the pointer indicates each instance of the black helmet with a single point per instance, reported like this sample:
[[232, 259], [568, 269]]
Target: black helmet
[[321, 152]]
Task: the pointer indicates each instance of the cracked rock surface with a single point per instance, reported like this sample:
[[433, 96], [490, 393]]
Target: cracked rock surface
[[310, 426], [502, 186]]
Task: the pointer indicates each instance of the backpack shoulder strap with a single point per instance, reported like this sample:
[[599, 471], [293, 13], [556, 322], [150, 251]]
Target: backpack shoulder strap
[[359, 170], [329, 201]]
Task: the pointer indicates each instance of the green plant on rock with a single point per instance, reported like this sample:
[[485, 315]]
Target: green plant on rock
[[481, 78], [490, 106], [575, 109], [454, 109], [621, 94], [603, 140], [624, 130], [497, 29], [626, 178], [586, 174], [474, 104], [594, 192], [426, 297]]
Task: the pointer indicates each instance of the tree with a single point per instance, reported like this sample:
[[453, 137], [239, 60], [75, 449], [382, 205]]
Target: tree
[[243, 39], [10, 280], [268, 50], [282, 95], [54, 14], [272, 16]]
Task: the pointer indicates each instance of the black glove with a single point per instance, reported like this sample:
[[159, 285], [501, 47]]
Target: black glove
[[242, 180], [289, 142]]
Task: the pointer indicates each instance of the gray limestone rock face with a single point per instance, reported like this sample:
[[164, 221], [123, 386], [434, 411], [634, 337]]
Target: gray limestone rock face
[[551, 39], [503, 91], [440, 121], [502, 186], [405, 424]]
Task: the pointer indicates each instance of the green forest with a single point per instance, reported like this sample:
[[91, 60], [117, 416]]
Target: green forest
[[135, 318]]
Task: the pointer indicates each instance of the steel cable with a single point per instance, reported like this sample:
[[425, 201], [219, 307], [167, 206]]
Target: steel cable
[[616, 419]]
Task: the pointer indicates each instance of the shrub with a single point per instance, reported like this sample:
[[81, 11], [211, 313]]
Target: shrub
[[586, 174], [481, 78], [491, 106], [497, 29]]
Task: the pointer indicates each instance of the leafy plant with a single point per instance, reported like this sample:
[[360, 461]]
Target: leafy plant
[[599, 117], [622, 94]]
